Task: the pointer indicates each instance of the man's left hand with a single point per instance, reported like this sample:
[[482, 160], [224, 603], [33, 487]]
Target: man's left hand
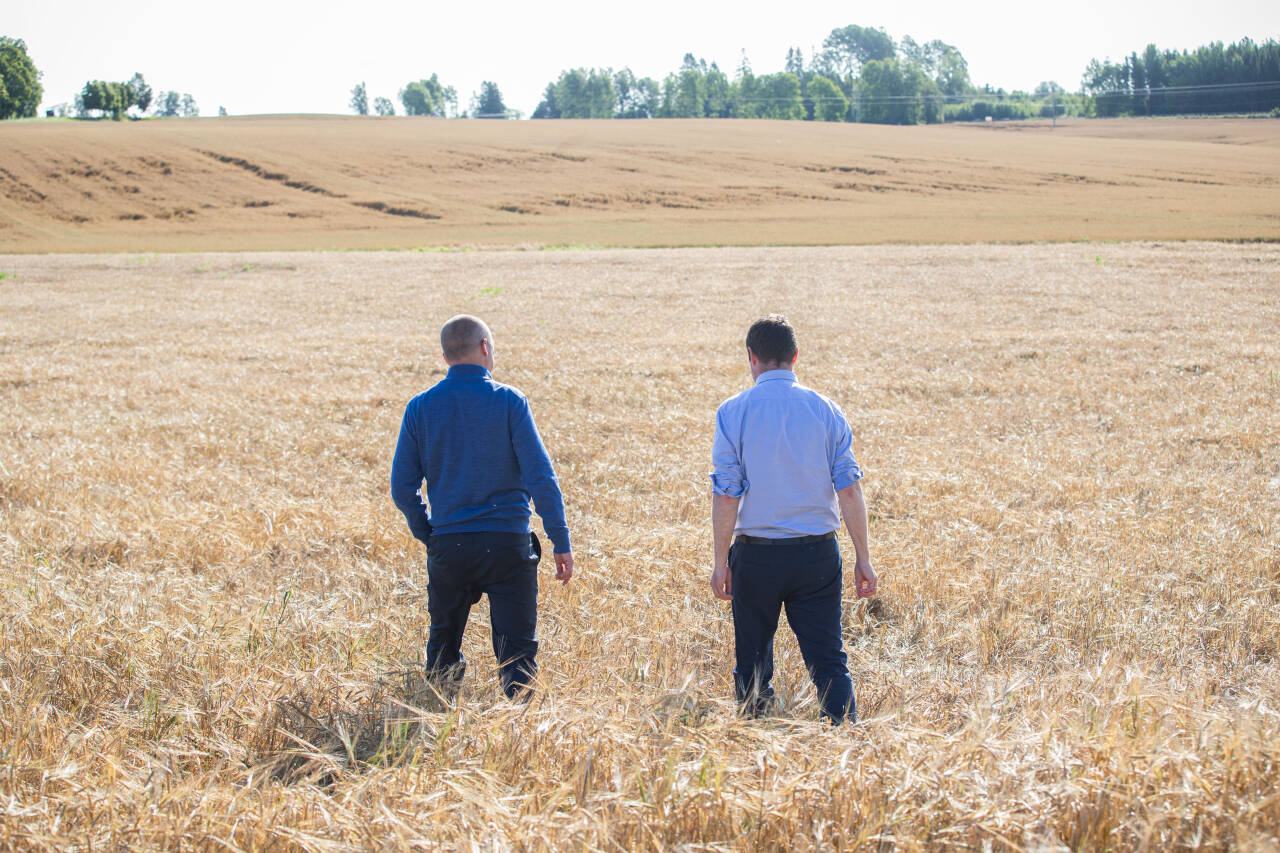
[[722, 582]]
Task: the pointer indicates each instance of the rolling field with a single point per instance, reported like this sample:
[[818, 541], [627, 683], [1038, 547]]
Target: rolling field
[[325, 182], [1073, 463]]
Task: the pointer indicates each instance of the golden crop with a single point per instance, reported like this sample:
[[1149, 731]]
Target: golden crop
[[1074, 479]]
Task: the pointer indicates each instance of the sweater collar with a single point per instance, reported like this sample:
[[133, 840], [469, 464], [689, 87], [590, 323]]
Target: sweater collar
[[467, 371]]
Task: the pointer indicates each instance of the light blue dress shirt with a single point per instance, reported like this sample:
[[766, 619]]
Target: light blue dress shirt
[[785, 450]]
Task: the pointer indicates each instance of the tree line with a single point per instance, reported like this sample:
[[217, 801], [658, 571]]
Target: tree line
[[861, 74], [1215, 78], [429, 97], [116, 99], [21, 91]]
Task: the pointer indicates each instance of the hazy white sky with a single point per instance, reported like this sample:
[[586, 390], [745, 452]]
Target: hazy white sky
[[259, 56]]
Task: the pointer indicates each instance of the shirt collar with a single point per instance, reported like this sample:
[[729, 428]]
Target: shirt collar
[[467, 371], [771, 375]]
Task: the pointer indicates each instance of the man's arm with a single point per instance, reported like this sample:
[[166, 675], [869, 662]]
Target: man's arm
[[728, 485], [724, 517], [540, 479], [854, 510], [406, 479]]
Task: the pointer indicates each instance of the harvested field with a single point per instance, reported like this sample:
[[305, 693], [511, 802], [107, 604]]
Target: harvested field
[[324, 182], [1074, 479]]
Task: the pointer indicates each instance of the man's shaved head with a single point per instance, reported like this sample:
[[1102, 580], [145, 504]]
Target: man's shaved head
[[461, 335]]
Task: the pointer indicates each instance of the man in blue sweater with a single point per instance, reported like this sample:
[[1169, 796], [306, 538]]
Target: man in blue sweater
[[474, 442]]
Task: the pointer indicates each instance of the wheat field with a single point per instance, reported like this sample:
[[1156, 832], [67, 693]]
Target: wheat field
[[326, 182], [210, 611]]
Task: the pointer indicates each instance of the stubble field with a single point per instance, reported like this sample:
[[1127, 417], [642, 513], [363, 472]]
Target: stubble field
[[1074, 482]]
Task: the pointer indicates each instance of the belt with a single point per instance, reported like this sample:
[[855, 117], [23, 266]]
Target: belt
[[744, 539]]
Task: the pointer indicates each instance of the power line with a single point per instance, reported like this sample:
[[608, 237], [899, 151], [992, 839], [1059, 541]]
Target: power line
[[1261, 86]]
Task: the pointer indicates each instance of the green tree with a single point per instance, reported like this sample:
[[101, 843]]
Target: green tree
[[360, 99], [847, 49], [829, 103], [952, 75], [717, 98], [488, 101], [428, 98], [106, 98], [942, 63], [894, 92], [139, 92], [580, 93], [189, 108], [778, 97], [547, 107], [637, 98], [169, 105], [684, 92], [20, 89], [383, 107]]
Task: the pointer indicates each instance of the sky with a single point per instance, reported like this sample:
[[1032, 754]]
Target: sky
[[269, 57]]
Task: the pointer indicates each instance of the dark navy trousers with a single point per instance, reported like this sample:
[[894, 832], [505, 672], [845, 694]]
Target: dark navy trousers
[[805, 579], [461, 567]]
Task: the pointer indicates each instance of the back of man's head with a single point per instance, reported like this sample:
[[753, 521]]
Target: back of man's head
[[772, 340], [461, 336]]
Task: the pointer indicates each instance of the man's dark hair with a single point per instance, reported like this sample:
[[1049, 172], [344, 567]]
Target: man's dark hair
[[461, 335], [772, 340]]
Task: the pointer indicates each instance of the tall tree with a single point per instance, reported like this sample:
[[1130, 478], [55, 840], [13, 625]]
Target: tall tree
[[829, 103], [139, 92], [795, 62], [383, 107], [360, 99], [169, 104], [106, 98], [189, 108], [894, 92], [428, 98], [637, 98], [847, 49], [778, 97], [547, 107], [488, 101], [20, 89], [580, 93]]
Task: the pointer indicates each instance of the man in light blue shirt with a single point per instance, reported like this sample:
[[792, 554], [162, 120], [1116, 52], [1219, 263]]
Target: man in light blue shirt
[[784, 474]]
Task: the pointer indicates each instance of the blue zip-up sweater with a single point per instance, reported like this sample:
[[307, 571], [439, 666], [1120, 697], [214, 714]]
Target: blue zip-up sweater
[[474, 441]]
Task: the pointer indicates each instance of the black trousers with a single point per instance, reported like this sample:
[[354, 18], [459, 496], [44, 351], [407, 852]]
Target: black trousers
[[804, 579], [461, 567]]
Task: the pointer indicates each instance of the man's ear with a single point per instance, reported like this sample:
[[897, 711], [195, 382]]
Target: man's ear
[[795, 357]]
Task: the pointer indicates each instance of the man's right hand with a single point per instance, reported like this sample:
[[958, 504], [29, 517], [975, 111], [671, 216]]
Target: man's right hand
[[865, 579], [564, 567]]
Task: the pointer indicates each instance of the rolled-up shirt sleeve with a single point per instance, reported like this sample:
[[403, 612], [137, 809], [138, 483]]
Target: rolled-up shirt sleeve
[[727, 476], [845, 470]]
